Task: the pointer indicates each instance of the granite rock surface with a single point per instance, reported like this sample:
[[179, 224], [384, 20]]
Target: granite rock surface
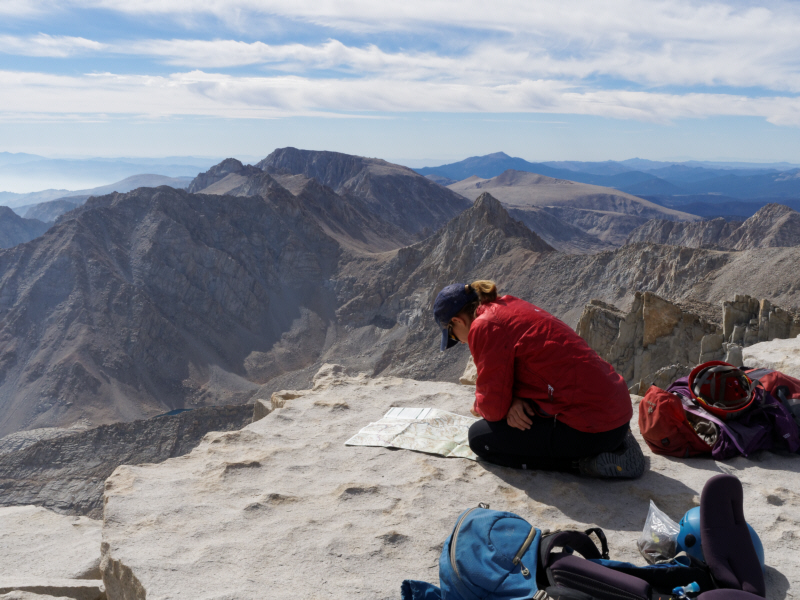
[[781, 355], [283, 509], [47, 554]]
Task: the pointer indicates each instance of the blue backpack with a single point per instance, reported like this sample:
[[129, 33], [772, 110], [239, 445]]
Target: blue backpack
[[489, 554], [492, 555]]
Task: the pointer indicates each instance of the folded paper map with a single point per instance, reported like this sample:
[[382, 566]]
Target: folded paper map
[[422, 429]]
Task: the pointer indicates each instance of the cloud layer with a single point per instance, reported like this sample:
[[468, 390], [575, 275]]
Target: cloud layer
[[624, 59]]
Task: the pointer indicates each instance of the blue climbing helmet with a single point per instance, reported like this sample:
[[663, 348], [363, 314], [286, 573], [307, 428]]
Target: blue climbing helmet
[[689, 538]]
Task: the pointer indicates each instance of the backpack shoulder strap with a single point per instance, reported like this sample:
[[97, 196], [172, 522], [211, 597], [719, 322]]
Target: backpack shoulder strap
[[579, 541]]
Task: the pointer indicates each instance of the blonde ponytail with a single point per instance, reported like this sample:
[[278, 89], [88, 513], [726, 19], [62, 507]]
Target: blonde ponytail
[[486, 290]]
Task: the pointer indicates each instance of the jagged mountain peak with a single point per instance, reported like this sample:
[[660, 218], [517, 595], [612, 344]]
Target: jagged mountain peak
[[485, 216], [772, 211], [222, 171]]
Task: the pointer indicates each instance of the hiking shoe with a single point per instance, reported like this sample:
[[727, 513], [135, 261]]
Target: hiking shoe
[[626, 462]]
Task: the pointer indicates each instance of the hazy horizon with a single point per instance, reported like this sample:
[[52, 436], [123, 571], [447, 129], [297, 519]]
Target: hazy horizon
[[13, 182], [438, 82]]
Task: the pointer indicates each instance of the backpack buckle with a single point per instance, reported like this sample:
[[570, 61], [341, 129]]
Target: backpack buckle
[[541, 595]]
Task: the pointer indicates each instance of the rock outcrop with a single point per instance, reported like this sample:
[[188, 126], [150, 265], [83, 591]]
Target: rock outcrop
[[231, 170], [250, 510], [747, 321], [16, 230], [774, 225], [655, 343], [658, 341], [66, 472], [47, 553]]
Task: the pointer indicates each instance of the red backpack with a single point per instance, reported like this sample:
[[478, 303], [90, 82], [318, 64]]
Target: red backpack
[[665, 428], [783, 387]]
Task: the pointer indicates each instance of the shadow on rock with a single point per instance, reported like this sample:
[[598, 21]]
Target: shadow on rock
[[777, 584], [610, 504]]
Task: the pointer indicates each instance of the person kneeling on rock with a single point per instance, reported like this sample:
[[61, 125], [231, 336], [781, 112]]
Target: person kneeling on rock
[[548, 401]]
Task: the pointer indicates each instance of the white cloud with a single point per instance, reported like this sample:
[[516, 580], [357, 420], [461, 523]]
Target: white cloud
[[606, 57], [575, 19], [200, 93], [56, 46]]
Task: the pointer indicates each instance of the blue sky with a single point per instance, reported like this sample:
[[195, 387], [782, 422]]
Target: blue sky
[[419, 81]]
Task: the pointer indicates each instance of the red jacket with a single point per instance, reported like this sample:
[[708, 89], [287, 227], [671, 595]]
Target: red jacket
[[521, 350]]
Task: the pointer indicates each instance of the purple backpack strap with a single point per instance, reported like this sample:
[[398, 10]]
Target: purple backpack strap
[[727, 546]]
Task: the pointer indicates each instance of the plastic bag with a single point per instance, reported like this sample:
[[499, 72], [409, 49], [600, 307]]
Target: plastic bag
[[659, 540]]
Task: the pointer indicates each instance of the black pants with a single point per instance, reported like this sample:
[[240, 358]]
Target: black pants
[[548, 445]]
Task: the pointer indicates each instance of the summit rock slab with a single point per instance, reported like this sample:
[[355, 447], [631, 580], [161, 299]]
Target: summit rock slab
[[283, 509]]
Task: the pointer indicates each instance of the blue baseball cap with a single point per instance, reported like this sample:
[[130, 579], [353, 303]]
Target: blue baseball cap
[[448, 304]]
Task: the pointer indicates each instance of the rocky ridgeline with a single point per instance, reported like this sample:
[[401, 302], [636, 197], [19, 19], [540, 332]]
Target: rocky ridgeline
[[774, 225], [64, 470], [396, 194], [658, 341], [16, 230]]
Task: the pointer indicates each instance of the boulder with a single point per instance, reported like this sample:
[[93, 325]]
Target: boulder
[[782, 355], [44, 553], [73, 589], [36, 542], [470, 375], [18, 595], [282, 509]]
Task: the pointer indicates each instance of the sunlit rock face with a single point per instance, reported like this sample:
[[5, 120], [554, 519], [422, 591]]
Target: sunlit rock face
[[247, 510]]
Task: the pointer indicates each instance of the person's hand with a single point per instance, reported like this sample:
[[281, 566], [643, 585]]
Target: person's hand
[[474, 412], [519, 414]]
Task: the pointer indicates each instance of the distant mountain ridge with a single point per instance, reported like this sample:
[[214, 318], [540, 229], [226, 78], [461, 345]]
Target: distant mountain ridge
[[774, 225], [21, 172], [604, 213], [16, 230], [394, 193], [641, 177], [124, 185]]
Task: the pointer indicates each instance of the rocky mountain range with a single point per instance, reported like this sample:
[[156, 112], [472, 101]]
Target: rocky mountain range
[[741, 181], [157, 299], [603, 213], [774, 225]]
